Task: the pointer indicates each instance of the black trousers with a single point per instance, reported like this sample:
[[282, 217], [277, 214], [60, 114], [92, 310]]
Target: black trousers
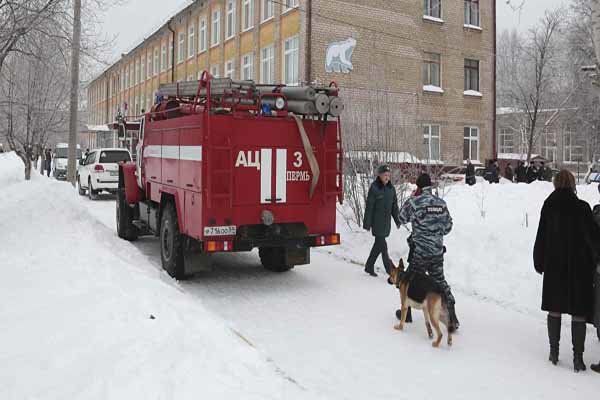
[[379, 247], [434, 267]]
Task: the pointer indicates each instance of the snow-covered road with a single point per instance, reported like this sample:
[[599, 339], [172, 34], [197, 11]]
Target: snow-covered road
[[328, 326]]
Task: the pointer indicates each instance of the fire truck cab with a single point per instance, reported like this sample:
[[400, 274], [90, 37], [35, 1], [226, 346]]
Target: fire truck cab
[[229, 166]]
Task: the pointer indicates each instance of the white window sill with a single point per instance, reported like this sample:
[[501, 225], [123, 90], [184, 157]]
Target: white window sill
[[271, 18], [248, 29], [191, 57], [230, 37], [472, 93], [433, 89], [214, 45], [201, 51], [433, 19], [288, 10], [474, 162], [473, 27]]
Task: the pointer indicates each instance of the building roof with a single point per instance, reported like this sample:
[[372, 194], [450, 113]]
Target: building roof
[[394, 157]]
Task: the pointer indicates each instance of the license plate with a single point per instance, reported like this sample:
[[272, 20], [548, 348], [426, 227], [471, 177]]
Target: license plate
[[219, 231], [114, 173]]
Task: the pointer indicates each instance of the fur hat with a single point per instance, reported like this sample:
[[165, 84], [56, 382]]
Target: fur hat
[[423, 181], [383, 169]]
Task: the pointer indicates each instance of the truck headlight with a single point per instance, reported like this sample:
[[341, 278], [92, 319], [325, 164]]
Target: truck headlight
[[280, 103]]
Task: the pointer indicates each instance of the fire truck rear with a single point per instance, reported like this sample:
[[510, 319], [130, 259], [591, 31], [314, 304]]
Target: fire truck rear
[[229, 166]]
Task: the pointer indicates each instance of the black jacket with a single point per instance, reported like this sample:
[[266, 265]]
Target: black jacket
[[382, 205], [565, 252], [521, 173]]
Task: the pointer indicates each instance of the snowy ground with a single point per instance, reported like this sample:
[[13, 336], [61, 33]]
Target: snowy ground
[[324, 329]]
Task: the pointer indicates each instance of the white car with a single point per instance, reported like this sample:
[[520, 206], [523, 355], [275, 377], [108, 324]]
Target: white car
[[99, 171]]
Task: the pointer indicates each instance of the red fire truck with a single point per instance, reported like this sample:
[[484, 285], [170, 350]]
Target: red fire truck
[[228, 166]]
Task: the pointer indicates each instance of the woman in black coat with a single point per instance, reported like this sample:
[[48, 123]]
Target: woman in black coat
[[565, 253]]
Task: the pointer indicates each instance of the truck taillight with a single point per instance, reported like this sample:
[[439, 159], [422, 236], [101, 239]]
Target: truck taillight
[[213, 246], [99, 168], [327, 240]]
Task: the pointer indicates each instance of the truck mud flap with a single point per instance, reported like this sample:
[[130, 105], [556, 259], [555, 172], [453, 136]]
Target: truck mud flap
[[297, 256], [194, 259]]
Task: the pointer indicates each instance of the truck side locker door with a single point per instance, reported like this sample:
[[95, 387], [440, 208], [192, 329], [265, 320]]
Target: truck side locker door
[[152, 155], [170, 157]]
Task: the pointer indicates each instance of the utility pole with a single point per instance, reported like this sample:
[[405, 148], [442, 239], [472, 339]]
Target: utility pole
[[74, 102], [596, 27]]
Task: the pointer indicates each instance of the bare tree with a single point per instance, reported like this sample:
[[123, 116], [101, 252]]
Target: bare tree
[[528, 73], [74, 97], [34, 93]]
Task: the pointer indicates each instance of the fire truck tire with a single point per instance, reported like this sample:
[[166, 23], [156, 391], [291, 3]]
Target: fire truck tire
[[171, 243], [125, 228], [80, 189], [273, 259]]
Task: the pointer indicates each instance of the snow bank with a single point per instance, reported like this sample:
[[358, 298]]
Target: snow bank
[[11, 169], [85, 316], [490, 250]]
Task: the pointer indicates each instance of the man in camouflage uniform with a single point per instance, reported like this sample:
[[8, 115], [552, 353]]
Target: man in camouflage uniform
[[431, 221]]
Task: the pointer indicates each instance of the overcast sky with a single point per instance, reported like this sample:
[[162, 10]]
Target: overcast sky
[[130, 22]]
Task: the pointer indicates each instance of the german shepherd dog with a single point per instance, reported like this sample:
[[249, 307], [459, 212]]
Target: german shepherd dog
[[434, 309]]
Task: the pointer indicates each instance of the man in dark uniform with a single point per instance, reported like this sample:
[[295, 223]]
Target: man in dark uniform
[[521, 173], [382, 205], [431, 221]]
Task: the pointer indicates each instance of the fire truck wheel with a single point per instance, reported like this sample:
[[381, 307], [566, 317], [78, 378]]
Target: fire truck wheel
[[273, 259], [171, 243], [125, 228], [80, 189]]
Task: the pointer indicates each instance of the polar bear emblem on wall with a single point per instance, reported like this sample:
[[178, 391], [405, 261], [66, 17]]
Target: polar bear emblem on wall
[[339, 56]]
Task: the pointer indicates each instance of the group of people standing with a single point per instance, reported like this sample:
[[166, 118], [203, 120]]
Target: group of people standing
[[524, 173], [566, 251]]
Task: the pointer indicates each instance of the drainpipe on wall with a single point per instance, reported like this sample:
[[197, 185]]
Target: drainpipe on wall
[[494, 136], [172, 50], [308, 59]]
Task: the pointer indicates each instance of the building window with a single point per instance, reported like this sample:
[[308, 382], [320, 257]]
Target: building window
[[230, 21], [163, 57], [268, 9], [247, 14], [267, 65], [181, 48], [149, 69], [472, 12], [549, 146], [433, 8], [431, 70], [506, 141], [191, 41], [216, 28], [127, 77], [471, 75], [572, 149], [214, 71], [136, 75], [143, 68], [156, 62], [229, 69], [291, 61], [170, 55], [471, 144], [248, 67], [431, 139], [289, 4], [202, 35]]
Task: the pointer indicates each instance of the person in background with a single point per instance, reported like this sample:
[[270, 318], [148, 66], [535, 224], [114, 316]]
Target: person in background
[[541, 173], [521, 172], [509, 173], [532, 173], [48, 161], [596, 317], [470, 174], [382, 206], [565, 253]]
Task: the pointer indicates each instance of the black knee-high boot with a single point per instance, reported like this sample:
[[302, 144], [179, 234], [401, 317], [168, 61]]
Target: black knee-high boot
[[554, 337], [578, 329]]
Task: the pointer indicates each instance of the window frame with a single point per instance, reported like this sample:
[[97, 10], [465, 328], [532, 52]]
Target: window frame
[[270, 60], [429, 60], [471, 139], [229, 72], [163, 57], [191, 37], [247, 62], [428, 7], [181, 47], [215, 34], [156, 66], [230, 19], [248, 13], [264, 6], [468, 13], [468, 78], [427, 138], [202, 36], [286, 53], [287, 7]]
